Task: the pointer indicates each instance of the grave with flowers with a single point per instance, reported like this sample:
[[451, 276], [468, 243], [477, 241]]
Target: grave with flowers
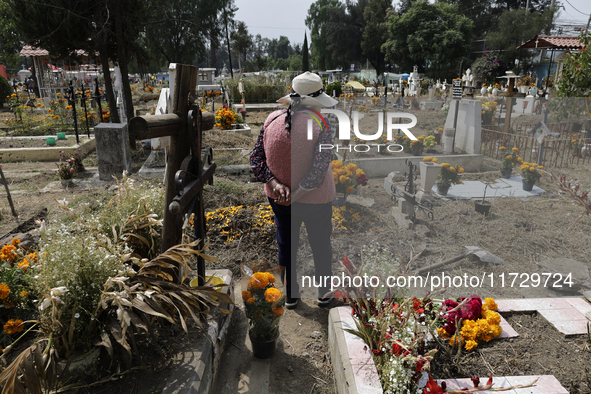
[[385, 342]]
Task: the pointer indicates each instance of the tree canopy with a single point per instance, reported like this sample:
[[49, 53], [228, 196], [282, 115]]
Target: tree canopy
[[434, 37]]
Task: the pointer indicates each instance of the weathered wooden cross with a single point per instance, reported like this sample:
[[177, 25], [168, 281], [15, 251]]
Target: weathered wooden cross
[[186, 173]]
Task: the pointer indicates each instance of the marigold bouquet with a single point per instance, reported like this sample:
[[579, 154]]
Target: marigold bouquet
[[225, 118], [449, 175], [530, 173], [468, 321], [347, 176], [509, 160], [263, 303]]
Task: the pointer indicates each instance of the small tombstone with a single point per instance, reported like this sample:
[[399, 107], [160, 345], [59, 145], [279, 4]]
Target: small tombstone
[[112, 149]]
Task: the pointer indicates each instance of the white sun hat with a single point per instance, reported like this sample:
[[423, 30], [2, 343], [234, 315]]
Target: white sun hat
[[309, 89]]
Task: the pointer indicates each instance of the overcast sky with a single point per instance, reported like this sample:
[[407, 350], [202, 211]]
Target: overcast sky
[[274, 18]]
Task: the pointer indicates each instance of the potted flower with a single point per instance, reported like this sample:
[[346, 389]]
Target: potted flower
[[346, 179], [437, 134], [483, 206], [508, 161], [225, 118], [429, 142], [263, 305], [449, 176], [530, 174]]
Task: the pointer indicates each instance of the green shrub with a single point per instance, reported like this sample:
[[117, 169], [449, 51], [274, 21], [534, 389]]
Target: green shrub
[[336, 87], [5, 91], [256, 92]]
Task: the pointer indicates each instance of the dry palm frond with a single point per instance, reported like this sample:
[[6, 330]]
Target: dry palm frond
[[158, 290], [34, 371]]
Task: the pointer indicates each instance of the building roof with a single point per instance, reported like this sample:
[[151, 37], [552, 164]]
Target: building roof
[[553, 42], [31, 51], [40, 52]]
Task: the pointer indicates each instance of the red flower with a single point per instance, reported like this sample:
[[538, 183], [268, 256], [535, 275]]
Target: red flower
[[419, 366], [346, 262], [433, 388], [416, 303]]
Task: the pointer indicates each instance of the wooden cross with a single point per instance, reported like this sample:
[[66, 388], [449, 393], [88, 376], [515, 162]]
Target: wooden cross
[[203, 77], [186, 173]]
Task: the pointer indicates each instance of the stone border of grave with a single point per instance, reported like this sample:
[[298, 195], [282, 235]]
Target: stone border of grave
[[355, 371], [45, 154], [196, 369], [382, 166]]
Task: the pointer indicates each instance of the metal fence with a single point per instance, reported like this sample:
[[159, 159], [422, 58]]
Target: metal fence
[[558, 152]]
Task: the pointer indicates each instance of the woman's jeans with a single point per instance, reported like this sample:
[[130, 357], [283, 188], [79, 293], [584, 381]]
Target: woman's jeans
[[318, 221]]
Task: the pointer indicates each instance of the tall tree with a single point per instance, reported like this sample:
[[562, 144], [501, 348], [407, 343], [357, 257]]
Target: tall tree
[[305, 59], [260, 52], [10, 41], [432, 36], [514, 28], [241, 41], [317, 20], [375, 33], [344, 33], [177, 29]]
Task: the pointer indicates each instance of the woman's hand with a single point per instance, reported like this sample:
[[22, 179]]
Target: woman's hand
[[282, 194]]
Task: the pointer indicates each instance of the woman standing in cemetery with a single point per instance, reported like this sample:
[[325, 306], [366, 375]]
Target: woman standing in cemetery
[[298, 181]]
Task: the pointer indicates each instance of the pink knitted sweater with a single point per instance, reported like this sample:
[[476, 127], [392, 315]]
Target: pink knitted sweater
[[290, 156]]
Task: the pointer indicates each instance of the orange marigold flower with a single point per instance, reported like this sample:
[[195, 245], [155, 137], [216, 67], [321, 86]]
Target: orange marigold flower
[[491, 304], [259, 280], [8, 253], [24, 294], [16, 241], [4, 291], [471, 345], [272, 294], [251, 300], [278, 311], [442, 333], [270, 277], [13, 326], [24, 265], [246, 295]]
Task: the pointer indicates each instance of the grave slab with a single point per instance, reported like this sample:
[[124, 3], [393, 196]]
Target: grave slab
[[570, 316], [511, 187], [546, 384]]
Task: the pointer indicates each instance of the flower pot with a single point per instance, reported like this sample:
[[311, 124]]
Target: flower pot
[[61, 135], [442, 190], [263, 348], [66, 183], [429, 173], [495, 92], [527, 186], [50, 141], [482, 207], [437, 137], [340, 200], [506, 174]]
